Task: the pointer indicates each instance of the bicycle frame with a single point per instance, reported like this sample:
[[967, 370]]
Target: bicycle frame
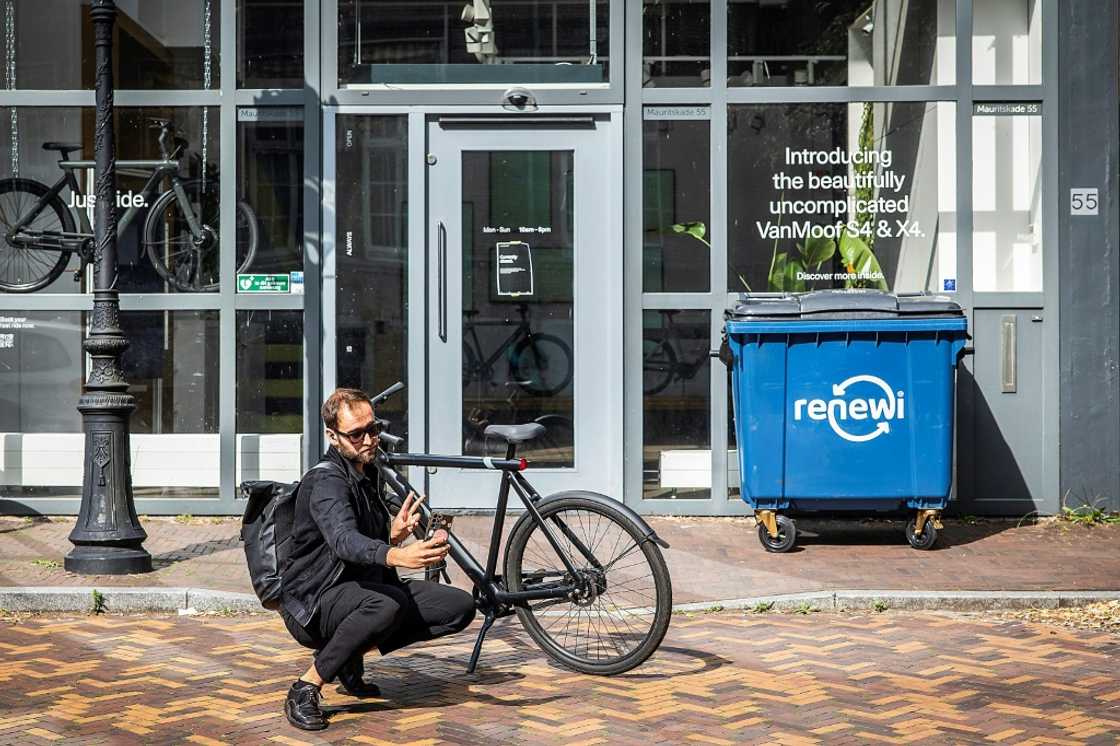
[[485, 578], [515, 336]]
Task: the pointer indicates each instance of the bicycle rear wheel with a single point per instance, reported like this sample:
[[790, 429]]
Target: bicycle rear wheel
[[27, 269], [541, 364], [188, 264], [620, 611]]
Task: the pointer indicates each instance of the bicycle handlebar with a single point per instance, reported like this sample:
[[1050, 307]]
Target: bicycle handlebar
[[393, 390]]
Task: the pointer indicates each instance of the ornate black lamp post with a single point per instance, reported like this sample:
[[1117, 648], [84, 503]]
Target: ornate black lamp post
[[108, 538]]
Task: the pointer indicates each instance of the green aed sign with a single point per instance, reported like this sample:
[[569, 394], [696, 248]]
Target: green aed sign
[[263, 284]]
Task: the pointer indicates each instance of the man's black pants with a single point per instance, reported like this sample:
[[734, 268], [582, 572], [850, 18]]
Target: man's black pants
[[356, 616]]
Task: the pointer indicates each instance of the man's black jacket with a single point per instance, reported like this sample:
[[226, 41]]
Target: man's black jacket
[[338, 522]]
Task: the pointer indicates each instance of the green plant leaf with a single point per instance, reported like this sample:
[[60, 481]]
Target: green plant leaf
[[777, 279], [817, 251], [860, 259], [696, 229]]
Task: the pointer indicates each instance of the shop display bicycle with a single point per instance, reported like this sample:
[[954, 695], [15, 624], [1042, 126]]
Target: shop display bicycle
[[180, 232]]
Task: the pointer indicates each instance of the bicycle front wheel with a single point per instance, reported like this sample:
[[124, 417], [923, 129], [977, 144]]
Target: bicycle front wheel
[[25, 269], [186, 260], [619, 612]]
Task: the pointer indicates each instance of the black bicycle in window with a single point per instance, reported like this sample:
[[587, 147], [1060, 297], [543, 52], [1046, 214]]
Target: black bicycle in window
[[661, 364], [541, 364], [180, 234], [584, 573]]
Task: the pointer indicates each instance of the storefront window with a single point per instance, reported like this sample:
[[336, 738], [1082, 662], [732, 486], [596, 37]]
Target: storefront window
[[371, 238], [483, 42], [676, 49], [842, 195], [157, 248], [270, 182], [43, 269], [676, 384], [269, 395], [1007, 197], [157, 44], [1007, 42], [270, 43], [676, 183], [171, 367], [841, 42]]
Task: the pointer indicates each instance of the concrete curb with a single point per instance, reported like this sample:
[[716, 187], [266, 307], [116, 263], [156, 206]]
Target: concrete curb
[[186, 600], [912, 600]]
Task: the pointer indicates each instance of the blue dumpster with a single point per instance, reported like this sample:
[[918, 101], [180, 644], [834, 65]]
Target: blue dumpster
[[844, 402]]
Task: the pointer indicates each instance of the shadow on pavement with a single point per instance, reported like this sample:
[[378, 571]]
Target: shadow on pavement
[[848, 532], [193, 551]]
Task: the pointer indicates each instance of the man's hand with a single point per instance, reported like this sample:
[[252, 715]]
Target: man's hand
[[419, 554], [407, 518]]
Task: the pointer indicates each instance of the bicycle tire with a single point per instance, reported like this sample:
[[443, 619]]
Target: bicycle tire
[[544, 626], [196, 272], [658, 363], [41, 270], [529, 358]]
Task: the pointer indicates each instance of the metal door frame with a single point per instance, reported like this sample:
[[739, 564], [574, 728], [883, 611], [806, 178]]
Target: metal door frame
[[1047, 301], [419, 253]]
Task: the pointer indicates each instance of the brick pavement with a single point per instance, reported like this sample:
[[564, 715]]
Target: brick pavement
[[710, 558], [717, 679]]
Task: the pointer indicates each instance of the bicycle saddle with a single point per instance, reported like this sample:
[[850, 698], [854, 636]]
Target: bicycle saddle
[[515, 433], [65, 147]]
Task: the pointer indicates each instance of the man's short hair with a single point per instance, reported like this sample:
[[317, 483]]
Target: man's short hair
[[341, 398]]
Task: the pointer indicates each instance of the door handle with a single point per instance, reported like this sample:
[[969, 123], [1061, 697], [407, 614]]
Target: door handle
[[441, 270]]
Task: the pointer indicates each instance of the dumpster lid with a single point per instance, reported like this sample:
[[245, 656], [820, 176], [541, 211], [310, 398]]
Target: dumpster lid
[[841, 304]]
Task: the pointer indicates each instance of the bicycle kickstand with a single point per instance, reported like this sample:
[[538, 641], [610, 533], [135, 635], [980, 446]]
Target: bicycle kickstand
[[487, 622]]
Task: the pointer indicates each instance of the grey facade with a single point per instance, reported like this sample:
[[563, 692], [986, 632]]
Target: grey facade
[[380, 160]]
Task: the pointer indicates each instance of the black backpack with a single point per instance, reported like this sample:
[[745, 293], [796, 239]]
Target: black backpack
[[265, 527]]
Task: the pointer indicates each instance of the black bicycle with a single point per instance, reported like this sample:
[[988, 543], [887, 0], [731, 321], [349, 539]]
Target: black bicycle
[[180, 233], [584, 573], [541, 364]]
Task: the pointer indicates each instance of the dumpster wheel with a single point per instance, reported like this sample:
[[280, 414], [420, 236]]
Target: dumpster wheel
[[786, 535], [927, 537]]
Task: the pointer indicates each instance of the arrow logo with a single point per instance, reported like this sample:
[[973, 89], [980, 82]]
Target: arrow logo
[[880, 410]]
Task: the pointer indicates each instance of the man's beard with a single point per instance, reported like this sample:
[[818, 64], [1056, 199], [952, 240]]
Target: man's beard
[[362, 457]]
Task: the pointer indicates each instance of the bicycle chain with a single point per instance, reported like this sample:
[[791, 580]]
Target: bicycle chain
[[10, 78], [207, 80]]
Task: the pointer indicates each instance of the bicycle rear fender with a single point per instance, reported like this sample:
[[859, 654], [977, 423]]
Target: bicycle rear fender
[[648, 534]]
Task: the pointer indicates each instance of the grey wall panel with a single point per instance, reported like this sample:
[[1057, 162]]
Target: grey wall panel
[[1090, 274]]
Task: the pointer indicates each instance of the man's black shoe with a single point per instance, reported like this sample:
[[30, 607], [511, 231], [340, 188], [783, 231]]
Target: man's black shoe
[[302, 707], [351, 682]]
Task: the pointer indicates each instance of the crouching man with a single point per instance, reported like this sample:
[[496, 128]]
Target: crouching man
[[341, 593]]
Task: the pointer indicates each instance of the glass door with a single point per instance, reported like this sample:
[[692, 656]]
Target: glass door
[[524, 308]]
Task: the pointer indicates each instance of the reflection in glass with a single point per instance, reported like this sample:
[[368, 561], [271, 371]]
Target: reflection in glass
[[1006, 203], [171, 366], [676, 50], [1007, 42], [483, 42], [518, 300], [675, 206], [270, 178], [371, 236], [269, 394], [676, 434], [841, 195], [269, 43], [845, 42], [157, 45]]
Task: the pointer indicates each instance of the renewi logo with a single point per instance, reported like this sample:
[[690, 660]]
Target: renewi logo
[[842, 410]]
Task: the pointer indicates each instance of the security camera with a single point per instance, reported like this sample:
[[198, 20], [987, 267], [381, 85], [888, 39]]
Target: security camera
[[519, 99]]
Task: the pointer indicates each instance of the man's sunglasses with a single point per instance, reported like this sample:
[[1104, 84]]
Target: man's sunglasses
[[374, 430]]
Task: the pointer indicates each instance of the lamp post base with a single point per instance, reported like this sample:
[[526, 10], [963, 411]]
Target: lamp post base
[[108, 560]]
